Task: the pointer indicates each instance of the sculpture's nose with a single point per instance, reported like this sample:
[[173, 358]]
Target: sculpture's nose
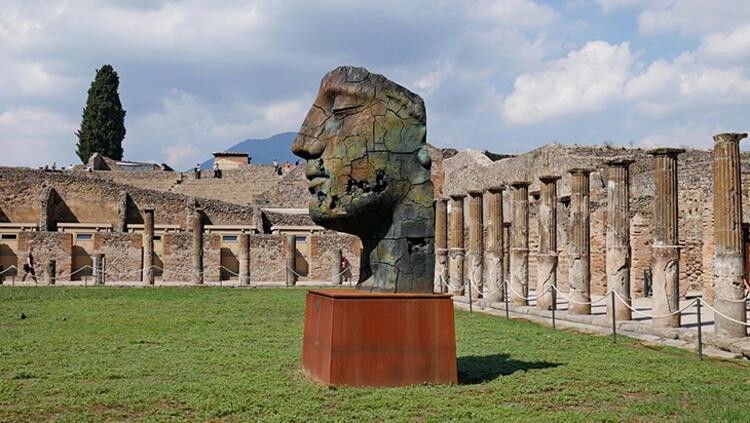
[[307, 147]]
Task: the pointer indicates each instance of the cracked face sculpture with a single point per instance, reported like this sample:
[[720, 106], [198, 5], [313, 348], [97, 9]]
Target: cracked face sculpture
[[369, 175]]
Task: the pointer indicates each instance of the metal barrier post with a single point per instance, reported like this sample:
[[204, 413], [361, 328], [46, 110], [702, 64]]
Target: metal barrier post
[[614, 321], [470, 306], [505, 294], [554, 305], [700, 330]]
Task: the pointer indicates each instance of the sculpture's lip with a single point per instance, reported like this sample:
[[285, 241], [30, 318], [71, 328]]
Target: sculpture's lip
[[316, 181]]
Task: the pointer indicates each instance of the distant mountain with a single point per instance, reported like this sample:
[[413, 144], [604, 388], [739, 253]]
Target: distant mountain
[[263, 151]]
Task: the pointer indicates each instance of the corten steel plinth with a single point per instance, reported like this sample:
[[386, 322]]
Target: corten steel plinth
[[666, 251], [356, 338], [618, 236], [579, 275], [519, 244], [728, 257], [494, 270], [441, 245], [546, 277], [476, 243], [456, 251]]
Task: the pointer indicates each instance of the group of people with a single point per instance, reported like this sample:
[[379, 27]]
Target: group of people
[[216, 170], [69, 168], [279, 169]]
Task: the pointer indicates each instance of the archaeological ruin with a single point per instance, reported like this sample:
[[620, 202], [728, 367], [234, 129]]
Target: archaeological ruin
[[663, 223]]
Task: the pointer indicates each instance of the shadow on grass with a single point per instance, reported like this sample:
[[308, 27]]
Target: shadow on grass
[[475, 369]]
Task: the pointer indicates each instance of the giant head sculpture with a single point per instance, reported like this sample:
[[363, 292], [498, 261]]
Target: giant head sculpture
[[369, 175]]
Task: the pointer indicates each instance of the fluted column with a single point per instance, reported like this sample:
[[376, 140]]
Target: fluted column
[[197, 247], [441, 244], [456, 252], [728, 254], [336, 275], [476, 243], [148, 245], [547, 257], [494, 269], [666, 251], [244, 245], [618, 236], [50, 275], [519, 244], [579, 275]]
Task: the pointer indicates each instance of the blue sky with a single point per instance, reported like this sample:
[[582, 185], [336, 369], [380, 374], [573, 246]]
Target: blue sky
[[502, 75]]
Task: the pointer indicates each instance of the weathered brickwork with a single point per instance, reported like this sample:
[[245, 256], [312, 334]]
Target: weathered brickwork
[[123, 254], [47, 246]]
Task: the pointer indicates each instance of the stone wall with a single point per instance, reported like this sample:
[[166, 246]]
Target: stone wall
[[268, 250], [94, 200], [322, 249], [123, 255], [176, 256], [47, 246]]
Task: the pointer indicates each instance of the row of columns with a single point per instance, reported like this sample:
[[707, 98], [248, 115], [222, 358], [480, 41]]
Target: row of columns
[[728, 254]]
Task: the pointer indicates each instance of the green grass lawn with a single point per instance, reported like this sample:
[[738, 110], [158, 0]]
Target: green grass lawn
[[92, 354]]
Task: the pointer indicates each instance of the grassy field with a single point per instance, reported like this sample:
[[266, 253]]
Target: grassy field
[[233, 355]]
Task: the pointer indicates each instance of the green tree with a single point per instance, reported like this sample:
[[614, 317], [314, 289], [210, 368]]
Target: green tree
[[103, 123]]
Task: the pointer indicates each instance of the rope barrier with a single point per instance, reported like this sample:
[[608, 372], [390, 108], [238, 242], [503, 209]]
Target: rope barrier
[[9, 269], [577, 302], [742, 300], [510, 287], [724, 315], [636, 311]]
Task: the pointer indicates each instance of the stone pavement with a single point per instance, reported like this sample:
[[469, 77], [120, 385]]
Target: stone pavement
[[640, 327]]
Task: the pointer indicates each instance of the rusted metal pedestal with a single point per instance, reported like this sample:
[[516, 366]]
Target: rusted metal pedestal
[[358, 338]]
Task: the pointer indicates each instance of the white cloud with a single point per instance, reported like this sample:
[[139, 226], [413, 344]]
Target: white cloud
[[730, 45], [522, 14], [585, 80], [692, 135], [192, 128], [36, 136], [692, 17]]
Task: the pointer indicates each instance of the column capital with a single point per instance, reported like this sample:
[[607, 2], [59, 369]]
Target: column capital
[[666, 151], [475, 192], [457, 197], [149, 208], [549, 178], [580, 171], [496, 189], [729, 137], [520, 184], [439, 199], [620, 162]]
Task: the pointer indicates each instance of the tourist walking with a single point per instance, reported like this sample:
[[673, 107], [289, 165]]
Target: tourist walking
[[346, 270], [28, 267]]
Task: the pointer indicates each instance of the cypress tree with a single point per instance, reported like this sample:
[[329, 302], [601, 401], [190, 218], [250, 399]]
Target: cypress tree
[[103, 123]]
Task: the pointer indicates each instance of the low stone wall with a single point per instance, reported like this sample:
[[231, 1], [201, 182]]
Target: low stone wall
[[123, 255], [47, 246], [176, 256]]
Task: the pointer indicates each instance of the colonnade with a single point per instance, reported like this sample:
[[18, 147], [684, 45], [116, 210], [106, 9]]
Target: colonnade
[[487, 267]]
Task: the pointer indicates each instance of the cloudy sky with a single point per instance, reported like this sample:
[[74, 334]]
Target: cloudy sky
[[503, 75]]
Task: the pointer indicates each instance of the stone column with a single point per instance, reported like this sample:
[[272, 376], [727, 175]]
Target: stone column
[[728, 254], [148, 245], [476, 243], [579, 276], [547, 258], [291, 254], [494, 271], [336, 267], [98, 263], [519, 244], [50, 274], [618, 236], [244, 245], [441, 244], [456, 252], [666, 251], [197, 252]]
